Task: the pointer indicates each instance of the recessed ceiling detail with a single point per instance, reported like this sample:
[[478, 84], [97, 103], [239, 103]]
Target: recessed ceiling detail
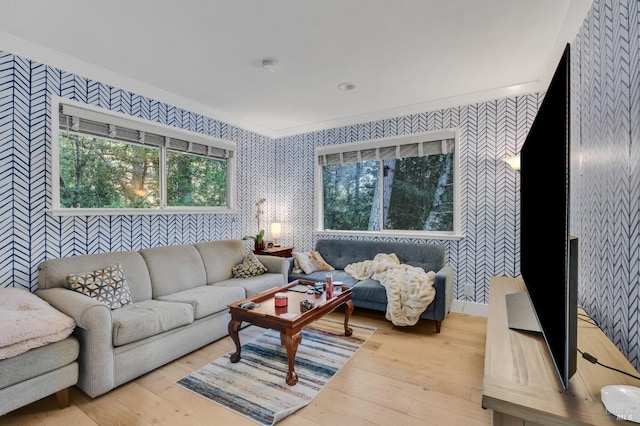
[[346, 86], [269, 64]]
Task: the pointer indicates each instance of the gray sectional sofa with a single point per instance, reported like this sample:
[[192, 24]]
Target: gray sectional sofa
[[369, 293], [180, 295]]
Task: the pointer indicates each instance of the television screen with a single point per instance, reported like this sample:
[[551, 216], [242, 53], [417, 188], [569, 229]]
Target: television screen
[[547, 262]]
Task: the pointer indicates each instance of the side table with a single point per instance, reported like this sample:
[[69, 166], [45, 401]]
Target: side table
[[280, 251]]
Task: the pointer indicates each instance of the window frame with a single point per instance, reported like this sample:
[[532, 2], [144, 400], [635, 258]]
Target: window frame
[[393, 141], [106, 116]]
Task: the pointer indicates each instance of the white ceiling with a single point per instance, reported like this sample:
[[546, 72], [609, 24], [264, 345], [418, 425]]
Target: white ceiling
[[403, 56]]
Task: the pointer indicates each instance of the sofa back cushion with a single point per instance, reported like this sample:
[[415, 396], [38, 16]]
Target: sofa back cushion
[[219, 257], [54, 272], [173, 268], [340, 253]]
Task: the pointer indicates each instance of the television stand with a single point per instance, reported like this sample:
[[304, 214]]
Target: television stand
[[520, 383]]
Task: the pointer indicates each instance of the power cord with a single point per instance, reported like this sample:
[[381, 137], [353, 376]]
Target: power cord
[[594, 360]]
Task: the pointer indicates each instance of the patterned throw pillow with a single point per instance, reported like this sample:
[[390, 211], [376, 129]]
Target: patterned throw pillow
[[250, 267], [107, 285], [309, 262]]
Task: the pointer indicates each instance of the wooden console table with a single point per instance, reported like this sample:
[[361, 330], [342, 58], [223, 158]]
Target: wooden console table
[[280, 251], [520, 384]]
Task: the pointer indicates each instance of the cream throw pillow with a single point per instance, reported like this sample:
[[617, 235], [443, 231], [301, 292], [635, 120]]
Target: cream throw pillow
[[309, 262]]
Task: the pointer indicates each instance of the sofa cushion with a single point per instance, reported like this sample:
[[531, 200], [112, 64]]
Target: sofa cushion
[[174, 268], [38, 361], [27, 321], [219, 257], [250, 267], [107, 285], [148, 318], [370, 290], [206, 299], [340, 253], [254, 285]]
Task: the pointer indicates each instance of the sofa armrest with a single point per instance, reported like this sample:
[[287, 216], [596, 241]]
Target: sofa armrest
[[94, 331], [444, 292], [275, 265], [76, 305]]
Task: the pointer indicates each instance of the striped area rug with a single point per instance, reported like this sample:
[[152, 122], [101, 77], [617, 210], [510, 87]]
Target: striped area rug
[[255, 386]]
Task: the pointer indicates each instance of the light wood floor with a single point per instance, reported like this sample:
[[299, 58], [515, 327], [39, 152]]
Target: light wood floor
[[401, 376]]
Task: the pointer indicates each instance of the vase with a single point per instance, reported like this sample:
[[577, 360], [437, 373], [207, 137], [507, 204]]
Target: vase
[[259, 245]]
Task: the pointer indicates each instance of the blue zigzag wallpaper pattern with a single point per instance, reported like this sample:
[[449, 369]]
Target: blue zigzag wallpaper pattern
[[605, 174], [605, 201]]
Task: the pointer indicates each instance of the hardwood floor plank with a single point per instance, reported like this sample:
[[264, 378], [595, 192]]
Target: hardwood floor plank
[[355, 410], [401, 375]]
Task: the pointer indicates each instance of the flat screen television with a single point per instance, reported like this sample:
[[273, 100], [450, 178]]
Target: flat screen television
[[548, 253]]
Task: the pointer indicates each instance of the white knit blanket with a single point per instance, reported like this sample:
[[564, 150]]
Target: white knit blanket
[[409, 288], [27, 322]]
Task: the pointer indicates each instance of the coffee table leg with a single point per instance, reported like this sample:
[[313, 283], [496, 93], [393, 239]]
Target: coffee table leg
[[234, 326], [291, 344], [347, 315]]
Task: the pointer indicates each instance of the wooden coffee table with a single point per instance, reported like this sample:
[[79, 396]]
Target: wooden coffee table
[[267, 315]]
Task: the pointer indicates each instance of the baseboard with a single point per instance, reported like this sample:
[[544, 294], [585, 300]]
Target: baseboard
[[470, 308]]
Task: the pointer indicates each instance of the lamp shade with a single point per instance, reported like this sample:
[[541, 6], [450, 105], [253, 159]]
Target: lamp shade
[[276, 230], [514, 162]]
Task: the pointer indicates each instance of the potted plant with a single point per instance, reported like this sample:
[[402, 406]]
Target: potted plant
[[258, 238]]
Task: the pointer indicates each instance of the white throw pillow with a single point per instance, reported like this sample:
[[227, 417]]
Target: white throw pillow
[[310, 262]]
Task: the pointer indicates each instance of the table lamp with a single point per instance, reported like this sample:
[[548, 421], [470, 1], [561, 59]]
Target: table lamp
[[276, 232]]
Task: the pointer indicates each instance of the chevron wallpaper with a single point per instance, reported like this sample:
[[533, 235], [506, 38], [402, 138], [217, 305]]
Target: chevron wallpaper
[[606, 174], [606, 168]]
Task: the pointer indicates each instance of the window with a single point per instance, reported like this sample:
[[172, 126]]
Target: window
[[403, 185], [100, 173], [106, 163], [195, 181]]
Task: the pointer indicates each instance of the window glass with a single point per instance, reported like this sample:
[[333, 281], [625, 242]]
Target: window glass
[[110, 163], [418, 193], [100, 173], [351, 196], [395, 184], [195, 181]]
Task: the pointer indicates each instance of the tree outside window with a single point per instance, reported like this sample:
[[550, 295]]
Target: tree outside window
[[389, 185], [105, 162], [195, 181], [99, 173]]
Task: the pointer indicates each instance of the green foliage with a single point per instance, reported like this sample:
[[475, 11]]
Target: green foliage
[[349, 194], [416, 196], [195, 181], [97, 173], [416, 193], [258, 238]]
